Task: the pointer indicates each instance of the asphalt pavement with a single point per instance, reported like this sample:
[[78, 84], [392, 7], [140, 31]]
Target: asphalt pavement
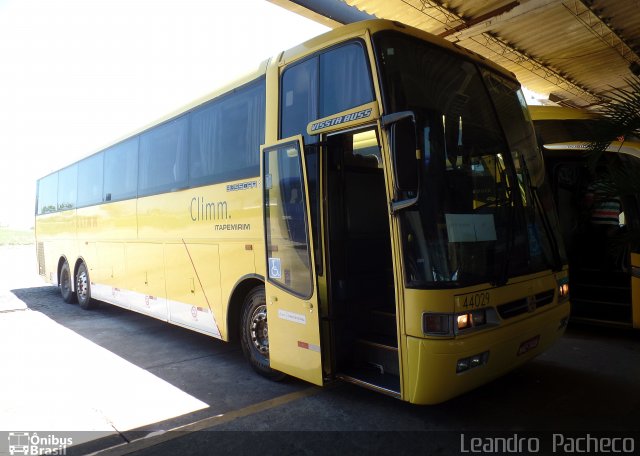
[[117, 382]]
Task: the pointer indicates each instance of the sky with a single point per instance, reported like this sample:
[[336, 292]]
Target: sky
[[75, 75]]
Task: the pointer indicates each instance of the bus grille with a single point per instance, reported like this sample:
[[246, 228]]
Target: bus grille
[[40, 249], [524, 305]]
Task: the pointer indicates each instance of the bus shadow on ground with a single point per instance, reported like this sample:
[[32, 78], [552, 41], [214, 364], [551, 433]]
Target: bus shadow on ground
[[585, 382], [211, 370]]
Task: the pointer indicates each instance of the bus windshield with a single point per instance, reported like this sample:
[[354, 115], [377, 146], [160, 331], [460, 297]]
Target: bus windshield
[[477, 219]]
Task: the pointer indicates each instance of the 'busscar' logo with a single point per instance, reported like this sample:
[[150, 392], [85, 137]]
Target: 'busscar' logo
[[242, 186], [363, 114]]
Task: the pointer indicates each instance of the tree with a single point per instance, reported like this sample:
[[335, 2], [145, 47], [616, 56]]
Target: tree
[[619, 121]]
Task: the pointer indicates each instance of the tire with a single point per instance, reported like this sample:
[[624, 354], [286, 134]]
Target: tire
[[254, 336], [83, 288], [65, 284]]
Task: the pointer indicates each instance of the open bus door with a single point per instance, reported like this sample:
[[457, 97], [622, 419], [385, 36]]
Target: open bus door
[[291, 291]]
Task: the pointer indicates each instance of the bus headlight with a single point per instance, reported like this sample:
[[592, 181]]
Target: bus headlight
[[563, 289], [444, 324], [471, 319], [464, 321]]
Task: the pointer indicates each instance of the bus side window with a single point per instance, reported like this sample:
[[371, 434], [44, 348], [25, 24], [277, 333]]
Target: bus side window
[[163, 158], [226, 135], [344, 79], [299, 98], [90, 177], [121, 171], [331, 82]]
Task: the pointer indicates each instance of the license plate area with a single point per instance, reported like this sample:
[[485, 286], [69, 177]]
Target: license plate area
[[528, 345]]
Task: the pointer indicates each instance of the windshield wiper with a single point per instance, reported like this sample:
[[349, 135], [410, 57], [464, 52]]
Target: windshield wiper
[[509, 177], [503, 277]]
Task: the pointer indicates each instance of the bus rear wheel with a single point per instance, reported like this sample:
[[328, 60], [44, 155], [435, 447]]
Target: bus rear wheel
[[83, 288], [254, 335], [65, 284]]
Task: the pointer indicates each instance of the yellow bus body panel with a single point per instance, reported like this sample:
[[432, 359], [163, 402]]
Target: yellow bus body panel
[[431, 375], [175, 256]]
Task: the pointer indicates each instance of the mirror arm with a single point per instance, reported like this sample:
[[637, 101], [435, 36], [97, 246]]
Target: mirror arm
[[390, 119], [398, 205]]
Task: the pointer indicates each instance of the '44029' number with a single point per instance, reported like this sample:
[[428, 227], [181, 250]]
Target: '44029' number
[[476, 300]]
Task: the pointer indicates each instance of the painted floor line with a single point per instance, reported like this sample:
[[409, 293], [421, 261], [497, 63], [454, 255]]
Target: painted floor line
[[164, 436]]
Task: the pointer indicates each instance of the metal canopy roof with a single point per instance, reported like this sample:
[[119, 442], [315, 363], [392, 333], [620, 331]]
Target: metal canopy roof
[[574, 50]]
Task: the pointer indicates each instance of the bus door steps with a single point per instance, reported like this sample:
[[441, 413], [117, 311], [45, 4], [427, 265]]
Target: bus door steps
[[601, 302], [379, 352], [382, 322], [371, 378], [594, 310], [602, 322], [600, 278], [601, 293]]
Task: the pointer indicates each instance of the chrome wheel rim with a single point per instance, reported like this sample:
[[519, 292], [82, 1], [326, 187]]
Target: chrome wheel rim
[[258, 330], [82, 285]]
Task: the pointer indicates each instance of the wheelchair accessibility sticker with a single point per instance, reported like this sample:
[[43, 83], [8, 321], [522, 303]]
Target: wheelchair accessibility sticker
[[275, 269]]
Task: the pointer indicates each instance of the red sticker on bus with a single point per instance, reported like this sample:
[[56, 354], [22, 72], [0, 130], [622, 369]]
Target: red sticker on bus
[[528, 344]]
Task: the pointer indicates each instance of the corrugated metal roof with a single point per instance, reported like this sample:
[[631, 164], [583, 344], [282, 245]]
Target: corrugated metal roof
[[576, 50]]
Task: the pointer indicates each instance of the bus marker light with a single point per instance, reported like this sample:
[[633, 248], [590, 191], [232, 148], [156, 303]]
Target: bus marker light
[[563, 289]]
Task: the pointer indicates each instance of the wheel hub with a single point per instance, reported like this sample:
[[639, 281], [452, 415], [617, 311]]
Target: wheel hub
[[259, 330], [82, 285]]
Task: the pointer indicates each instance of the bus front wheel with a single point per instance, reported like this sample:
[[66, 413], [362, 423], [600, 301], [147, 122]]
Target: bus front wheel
[[254, 334], [65, 284], [83, 288]]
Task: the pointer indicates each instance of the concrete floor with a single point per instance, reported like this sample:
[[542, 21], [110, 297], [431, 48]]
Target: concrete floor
[[119, 376]]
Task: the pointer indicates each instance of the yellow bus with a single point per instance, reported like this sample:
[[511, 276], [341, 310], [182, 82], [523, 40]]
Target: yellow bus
[[368, 206], [605, 272]]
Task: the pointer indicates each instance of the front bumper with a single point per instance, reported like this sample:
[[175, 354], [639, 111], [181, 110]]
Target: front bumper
[[430, 369]]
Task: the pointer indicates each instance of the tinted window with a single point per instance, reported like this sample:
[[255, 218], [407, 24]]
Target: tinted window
[[90, 180], [335, 81], [48, 194], [299, 98], [226, 137], [121, 171], [289, 264], [67, 186], [344, 79], [163, 158]]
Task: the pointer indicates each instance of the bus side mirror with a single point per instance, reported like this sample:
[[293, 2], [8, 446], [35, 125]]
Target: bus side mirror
[[402, 140]]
